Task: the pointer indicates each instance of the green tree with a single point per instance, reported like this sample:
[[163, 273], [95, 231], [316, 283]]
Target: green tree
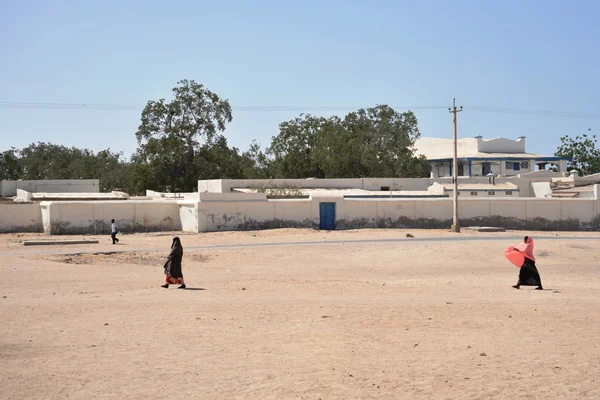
[[584, 153], [50, 161], [10, 165], [195, 114], [255, 163], [294, 149], [373, 142], [219, 161]]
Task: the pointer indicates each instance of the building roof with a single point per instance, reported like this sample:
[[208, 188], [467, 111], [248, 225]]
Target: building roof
[[435, 149], [572, 191], [349, 193], [483, 187]]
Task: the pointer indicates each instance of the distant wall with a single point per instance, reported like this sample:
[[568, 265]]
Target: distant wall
[[251, 215], [411, 184], [9, 188], [93, 217], [172, 196], [225, 185], [511, 213], [16, 217], [234, 211]]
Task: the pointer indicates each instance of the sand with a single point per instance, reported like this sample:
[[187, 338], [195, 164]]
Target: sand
[[387, 320]]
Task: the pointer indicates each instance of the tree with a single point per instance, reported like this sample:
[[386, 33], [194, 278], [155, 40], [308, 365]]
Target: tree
[[194, 114], [583, 151], [295, 149], [10, 165], [256, 164], [382, 140], [375, 142], [41, 160], [219, 161]]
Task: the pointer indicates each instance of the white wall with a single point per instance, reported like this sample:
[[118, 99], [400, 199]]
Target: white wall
[[93, 217], [16, 217], [522, 181], [501, 145], [233, 213], [9, 188], [188, 213], [531, 213]]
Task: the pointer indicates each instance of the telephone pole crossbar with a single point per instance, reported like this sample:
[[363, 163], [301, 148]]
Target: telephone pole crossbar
[[455, 223]]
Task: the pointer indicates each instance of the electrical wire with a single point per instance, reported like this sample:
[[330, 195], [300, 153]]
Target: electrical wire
[[271, 108]]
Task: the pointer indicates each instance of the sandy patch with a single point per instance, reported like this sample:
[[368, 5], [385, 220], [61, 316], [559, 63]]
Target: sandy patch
[[409, 320]]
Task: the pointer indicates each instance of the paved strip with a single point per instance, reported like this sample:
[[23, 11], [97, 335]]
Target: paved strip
[[313, 243], [50, 242]]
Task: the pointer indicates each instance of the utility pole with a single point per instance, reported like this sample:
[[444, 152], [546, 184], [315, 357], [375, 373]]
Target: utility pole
[[455, 223]]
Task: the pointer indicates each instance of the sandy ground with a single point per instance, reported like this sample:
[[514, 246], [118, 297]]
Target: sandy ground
[[390, 320]]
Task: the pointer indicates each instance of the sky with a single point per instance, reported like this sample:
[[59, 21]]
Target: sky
[[319, 57]]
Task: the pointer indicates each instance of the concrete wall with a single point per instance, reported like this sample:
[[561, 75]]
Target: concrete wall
[[225, 185], [172, 196], [9, 188], [231, 211], [512, 213], [501, 145], [522, 181], [93, 217], [16, 217], [484, 193], [188, 214], [251, 215]]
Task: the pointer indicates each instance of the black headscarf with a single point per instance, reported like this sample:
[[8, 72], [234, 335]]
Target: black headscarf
[[176, 244]]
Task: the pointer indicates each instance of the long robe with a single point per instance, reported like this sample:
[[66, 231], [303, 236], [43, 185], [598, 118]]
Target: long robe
[[529, 275], [173, 264]]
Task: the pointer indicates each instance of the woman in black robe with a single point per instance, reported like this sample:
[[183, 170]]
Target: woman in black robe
[[528, 275], [173, 272]]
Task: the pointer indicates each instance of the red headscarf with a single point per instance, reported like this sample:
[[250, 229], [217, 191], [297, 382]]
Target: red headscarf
[[527, 248]]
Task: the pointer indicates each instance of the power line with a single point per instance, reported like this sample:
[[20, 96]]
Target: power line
[[272, 108], [541, 113], [131, 107]]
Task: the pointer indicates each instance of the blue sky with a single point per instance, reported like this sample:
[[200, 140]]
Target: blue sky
[[535, 55]]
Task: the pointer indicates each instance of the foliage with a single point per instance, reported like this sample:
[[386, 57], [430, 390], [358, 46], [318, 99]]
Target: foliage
[[169, 134], [584, 152], [41, 160], [376, 142], [10, 165], [181, 141]]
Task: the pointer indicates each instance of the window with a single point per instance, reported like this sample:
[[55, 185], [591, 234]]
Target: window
[[524, 164], [508, 165], [509, 192], [473, 193], [385, 188], [491, 193]]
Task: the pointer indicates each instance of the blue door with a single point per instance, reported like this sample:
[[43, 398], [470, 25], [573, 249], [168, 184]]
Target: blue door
[[327, 216]]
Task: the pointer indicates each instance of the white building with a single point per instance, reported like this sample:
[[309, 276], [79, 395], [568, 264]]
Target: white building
[[480, 157]]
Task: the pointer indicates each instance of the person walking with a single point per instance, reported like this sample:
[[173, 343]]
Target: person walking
[[528, 275], [113, 232], [173, 272]]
